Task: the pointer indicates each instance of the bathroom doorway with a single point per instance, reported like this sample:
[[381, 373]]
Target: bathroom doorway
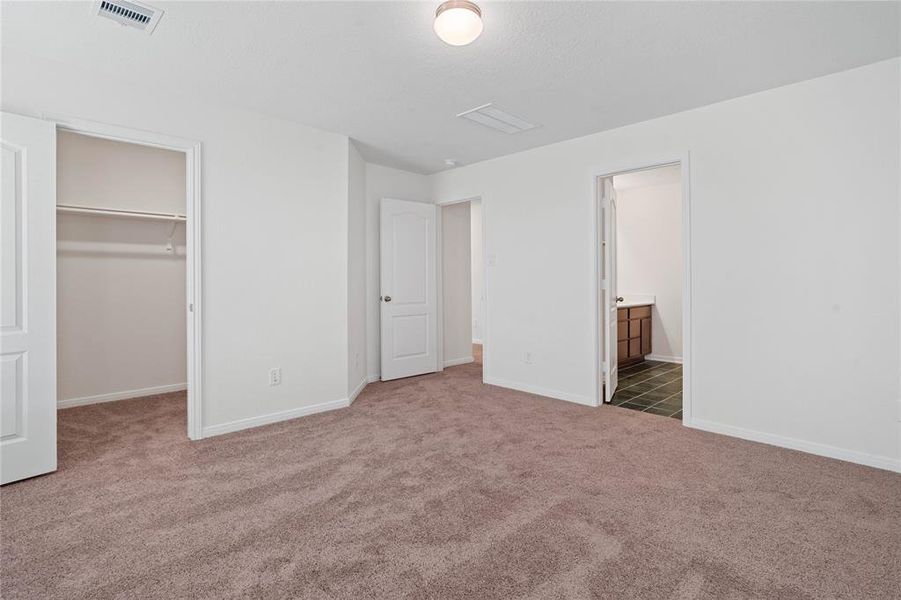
[[643, 286]]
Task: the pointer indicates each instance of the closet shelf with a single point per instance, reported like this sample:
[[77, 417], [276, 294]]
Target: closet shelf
[[127, 214]]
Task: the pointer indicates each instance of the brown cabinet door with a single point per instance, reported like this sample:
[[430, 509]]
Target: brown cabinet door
[[634, 328], [646, 336], [635, 348], [622, 351], [622, 331]]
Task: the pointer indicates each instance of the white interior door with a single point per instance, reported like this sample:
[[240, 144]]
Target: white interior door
[[409, 289], [608, 244], [27, 302]]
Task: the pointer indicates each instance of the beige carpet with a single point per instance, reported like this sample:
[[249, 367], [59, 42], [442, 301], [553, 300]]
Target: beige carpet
[[441, 487]]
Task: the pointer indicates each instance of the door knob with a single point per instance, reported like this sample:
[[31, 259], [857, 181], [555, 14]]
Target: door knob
[[619, 299], [387, 298]]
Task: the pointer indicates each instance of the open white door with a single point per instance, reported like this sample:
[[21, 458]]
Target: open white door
[[608, 287], [27, 302], [409, 284]]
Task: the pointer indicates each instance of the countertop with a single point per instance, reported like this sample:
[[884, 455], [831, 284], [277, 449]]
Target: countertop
[[633, 300]]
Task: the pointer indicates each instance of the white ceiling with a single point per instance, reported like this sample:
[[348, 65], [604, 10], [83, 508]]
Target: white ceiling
[[376, 72]]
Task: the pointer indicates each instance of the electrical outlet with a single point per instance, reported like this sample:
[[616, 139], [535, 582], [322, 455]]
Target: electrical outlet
[[275, 376], [527, 358]]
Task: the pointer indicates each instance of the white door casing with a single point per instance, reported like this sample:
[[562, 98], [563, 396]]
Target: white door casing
[[409, 288], [28, 301], [194, 301], [608, 244]]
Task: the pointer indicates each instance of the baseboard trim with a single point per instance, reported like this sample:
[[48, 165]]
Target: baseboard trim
[[532, 389], [374, 378], [356, 392], [663, 358], [123, 395], [459, 361], [861, 458], [276, 417]]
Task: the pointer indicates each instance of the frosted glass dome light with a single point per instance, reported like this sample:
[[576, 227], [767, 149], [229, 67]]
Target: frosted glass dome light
[[458, 22]]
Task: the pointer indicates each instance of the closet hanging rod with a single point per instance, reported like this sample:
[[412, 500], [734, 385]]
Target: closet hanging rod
[[110, 212]]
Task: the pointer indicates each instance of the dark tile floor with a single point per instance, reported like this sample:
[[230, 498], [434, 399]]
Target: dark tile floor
[[651, 387]]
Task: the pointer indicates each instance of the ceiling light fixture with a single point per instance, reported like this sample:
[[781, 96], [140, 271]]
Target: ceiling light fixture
[[458, 22]]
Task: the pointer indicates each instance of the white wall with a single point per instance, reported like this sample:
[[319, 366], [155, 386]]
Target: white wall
[[456, 277], [106, 174], [478, 271], [120, 295], [356, 272], [383, 182], [794, 260], [649, 253], [120, 309], [274, 241]]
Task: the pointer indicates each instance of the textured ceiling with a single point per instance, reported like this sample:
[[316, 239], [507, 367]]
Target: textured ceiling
[[376, 72]]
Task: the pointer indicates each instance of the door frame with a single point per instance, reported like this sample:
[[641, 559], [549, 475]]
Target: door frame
[[484, 305], [193, 264], [619, 168]]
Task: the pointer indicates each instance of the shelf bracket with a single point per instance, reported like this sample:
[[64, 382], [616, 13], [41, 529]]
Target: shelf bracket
[[169, 247]]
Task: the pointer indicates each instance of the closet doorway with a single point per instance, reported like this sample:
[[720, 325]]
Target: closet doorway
[[127, 232]]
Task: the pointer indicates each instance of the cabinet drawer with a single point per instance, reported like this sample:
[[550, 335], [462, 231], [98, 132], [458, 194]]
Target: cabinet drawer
[[622, 314], [639, 312], [634, 328]]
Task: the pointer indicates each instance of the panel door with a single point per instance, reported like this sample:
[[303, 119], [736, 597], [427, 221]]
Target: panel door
[[27, 300], [409, 288]]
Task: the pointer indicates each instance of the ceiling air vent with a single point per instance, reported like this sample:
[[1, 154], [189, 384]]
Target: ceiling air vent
[[133, 14], [490, 115]]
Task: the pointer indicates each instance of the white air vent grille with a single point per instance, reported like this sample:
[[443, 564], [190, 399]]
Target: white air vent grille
[[490, 115], [133, 14]]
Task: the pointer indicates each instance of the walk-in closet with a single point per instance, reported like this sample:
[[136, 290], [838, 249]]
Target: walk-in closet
[[121, 318]]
